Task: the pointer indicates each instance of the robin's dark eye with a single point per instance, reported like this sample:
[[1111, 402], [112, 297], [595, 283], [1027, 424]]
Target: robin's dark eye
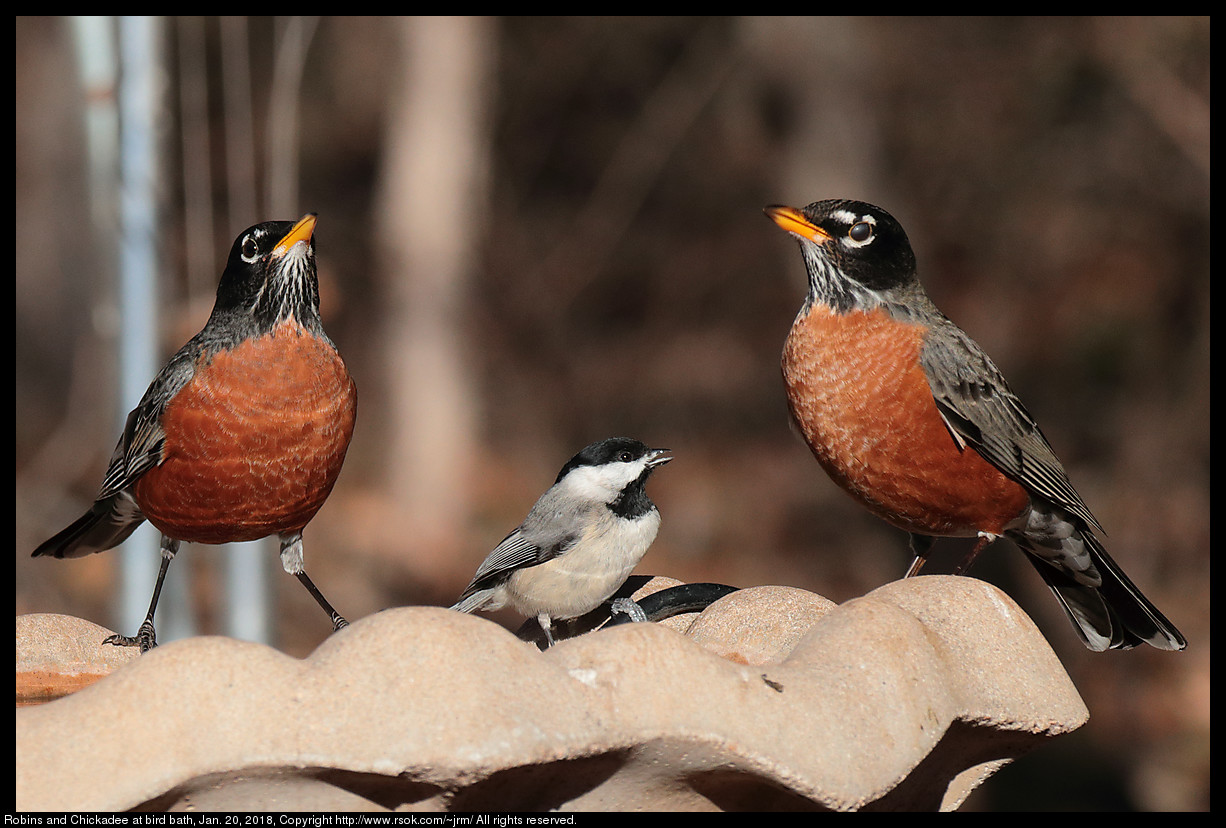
[[249, 250], [625, 457], [860, 232]]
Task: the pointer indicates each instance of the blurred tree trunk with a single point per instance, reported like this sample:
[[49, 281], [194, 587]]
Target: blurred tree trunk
[[827, 67], [429, 223]]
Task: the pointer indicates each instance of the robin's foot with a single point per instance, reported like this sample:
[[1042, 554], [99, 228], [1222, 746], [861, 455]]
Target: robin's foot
[[145, 638]]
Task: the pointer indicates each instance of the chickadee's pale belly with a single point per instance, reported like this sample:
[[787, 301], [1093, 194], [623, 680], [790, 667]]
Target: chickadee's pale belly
[[583, 577]]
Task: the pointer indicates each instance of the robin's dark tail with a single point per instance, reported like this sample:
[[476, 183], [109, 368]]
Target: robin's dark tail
[[105, 526], [1112, 615]]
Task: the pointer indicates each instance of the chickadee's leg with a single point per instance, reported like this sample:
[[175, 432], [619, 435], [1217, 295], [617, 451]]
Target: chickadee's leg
[[545, 622], [630, 607]]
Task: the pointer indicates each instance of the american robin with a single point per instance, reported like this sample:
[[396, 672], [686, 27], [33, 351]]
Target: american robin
[[579, 543], [910, 416], [243, 432]]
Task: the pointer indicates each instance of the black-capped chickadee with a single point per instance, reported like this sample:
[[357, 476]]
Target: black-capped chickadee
[[579, 543]]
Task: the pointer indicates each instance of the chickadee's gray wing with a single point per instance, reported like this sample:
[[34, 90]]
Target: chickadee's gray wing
[[515, 552]]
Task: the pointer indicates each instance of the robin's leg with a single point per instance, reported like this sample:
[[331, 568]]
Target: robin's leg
[[985, 538], [146, 637], [291, 559], [920, 544]]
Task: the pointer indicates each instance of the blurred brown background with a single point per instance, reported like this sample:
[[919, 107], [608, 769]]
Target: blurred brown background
[[538, 232]]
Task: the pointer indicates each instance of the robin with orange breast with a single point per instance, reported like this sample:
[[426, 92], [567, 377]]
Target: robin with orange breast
[[909, 416], [243, 432]]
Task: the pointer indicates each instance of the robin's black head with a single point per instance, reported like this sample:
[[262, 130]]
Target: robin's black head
[[270, 275], [854, 252]]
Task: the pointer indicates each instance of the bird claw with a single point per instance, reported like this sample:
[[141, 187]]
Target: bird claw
[[145, 638], [627, 606]]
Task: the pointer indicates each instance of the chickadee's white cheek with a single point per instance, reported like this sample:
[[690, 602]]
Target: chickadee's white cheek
[[597, 483]]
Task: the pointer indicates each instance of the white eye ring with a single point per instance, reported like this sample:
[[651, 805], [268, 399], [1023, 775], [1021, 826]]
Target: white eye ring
[[866, 226], [249, 251]]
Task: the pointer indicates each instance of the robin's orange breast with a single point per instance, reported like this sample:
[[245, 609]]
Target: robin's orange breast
[[858, 392], [254, 443]]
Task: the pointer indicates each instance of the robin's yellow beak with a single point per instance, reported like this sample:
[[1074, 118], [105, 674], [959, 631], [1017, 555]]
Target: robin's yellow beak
[[794, 221], [302, 232]]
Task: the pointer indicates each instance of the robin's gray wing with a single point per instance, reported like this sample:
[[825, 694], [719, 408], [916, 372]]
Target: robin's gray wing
[[140, 446], [115, 514], [981, 411]]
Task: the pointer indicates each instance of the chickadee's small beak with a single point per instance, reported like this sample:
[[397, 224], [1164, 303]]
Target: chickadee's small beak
[[795, 222], [302, 231], [658, 457]]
